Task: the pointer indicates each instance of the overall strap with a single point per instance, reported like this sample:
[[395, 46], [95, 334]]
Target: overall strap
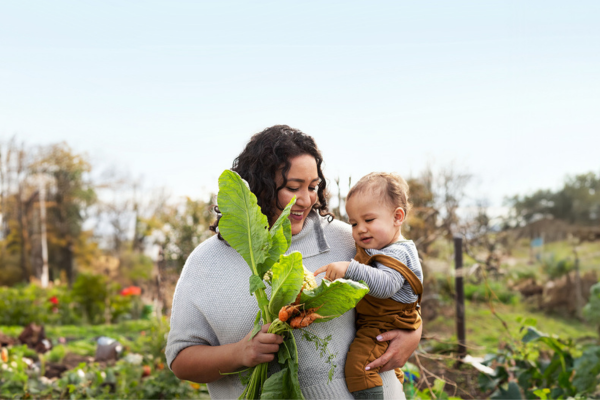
[[412, 279]]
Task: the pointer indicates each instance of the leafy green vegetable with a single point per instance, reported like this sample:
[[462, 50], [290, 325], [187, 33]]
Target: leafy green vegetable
[[288, 275], [280, 238], [256, 283], [335, 298], [242, 225], [284, 384]]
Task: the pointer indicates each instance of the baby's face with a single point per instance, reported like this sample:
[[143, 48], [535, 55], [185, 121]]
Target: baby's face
[[375, 224]]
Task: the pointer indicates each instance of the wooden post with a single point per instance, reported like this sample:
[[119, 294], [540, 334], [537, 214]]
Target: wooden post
[[460, 298], [578, 289]]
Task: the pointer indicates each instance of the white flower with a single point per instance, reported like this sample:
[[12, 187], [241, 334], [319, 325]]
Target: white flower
[[103, 375], [81, 373], [135, 359], [13, 364], [4, 366]]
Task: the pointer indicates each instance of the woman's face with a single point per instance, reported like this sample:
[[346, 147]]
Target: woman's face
[[302, 182]]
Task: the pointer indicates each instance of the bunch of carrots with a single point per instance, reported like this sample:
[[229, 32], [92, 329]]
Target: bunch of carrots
[[298, 317]]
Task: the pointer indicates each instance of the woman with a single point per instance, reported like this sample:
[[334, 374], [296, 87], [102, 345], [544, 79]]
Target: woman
[[213, 311]]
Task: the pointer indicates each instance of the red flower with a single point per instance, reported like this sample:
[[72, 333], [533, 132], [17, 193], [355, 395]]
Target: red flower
[[53, 300], [131, 291]]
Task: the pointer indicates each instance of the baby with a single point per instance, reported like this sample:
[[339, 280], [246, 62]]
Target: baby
[[377, 206]]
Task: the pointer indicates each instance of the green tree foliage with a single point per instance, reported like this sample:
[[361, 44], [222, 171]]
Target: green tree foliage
[[71, 194], [577, 202]]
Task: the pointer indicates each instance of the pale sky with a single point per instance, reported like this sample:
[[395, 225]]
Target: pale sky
[[173, 90]]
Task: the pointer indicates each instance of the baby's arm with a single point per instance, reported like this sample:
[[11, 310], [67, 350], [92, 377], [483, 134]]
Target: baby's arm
[[334, 270], [383, 282]]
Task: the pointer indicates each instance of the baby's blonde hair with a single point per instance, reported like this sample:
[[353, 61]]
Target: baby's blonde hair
[[389, 187]]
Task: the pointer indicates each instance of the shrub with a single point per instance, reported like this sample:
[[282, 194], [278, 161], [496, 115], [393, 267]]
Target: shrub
[[23, 304], [556, 268], [498, 291], [90, 292]]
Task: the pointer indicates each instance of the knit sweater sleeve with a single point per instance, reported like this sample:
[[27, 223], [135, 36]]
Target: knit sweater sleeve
[[189, 325], [383, 282]]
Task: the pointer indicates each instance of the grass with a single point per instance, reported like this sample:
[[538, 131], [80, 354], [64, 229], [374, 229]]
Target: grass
[[485, 331]]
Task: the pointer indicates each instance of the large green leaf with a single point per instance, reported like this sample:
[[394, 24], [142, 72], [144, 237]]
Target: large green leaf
[[335, 297], [242, 225], [288, 275], [279, 246], [283, 221], [588, 368], [280, 238], [532, 335], [256, 283], [511, 392]]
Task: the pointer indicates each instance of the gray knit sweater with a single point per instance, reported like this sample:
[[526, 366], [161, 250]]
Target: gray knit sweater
[[212, 306]]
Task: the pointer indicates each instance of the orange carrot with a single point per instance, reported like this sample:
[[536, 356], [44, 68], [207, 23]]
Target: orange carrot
[[288, 311], [297, 298], [304, 319]]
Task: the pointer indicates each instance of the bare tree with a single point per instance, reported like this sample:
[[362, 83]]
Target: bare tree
[[436, 198]]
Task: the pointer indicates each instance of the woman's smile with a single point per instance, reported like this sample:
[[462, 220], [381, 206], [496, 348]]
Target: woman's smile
[[297, 215]]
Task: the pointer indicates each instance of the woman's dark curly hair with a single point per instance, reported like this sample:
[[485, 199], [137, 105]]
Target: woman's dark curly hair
[[264, 155]]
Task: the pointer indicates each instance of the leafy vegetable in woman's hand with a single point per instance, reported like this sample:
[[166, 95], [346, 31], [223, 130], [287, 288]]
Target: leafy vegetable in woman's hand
[[293, 288]]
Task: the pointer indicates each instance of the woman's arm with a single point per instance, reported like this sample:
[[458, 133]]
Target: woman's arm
[[204, 364], [402, 344]]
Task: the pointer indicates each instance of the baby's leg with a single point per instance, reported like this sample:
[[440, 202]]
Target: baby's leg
[[364, 349]]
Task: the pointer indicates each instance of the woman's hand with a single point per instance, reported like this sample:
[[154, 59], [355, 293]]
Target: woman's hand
[[205, 364], [260, 349], [402, 344]]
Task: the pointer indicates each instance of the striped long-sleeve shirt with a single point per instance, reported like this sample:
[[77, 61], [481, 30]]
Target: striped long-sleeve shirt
[[385, 282]]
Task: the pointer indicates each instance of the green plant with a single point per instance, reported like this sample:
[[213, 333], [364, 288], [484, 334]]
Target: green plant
[[497, 290], [542, 366], [411, 391], [90, 292], [21, 305], [57, 353], [591, 311], [88, 381], [556, 268]]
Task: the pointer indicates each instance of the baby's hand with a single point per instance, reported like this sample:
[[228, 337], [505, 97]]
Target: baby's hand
[[334, 270]]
